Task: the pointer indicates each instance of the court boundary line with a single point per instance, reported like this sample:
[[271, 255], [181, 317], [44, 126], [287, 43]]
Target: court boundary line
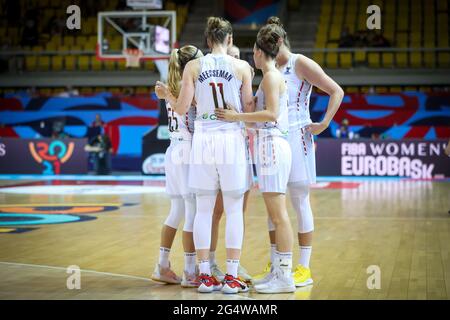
[[119, 275], [238, 297]]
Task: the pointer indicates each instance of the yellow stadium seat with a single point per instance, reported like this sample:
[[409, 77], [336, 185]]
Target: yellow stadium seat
[[86, 90], [68, 41], [70, 63], [345, 60], [416, 40], [109, 65], [122, 65], [351, 90], [429, 42], [83, 63], [318, 57], [335, 32], [442, 6], [416, 59], [31, 63], [50, 46], [374, 59], [388, 59], [401, 59], [360, 56], [332, 60], [43, 63], [402, 40], [443, 41], [395, 89], [57, 63], [429, 59], [444, 59], [96, 64], [381, 90], [150, 65], [81, 40]]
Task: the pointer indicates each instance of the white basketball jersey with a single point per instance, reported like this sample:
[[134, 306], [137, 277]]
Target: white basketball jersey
[[275, 128], [216, 85], [299, 92], [180, 128]]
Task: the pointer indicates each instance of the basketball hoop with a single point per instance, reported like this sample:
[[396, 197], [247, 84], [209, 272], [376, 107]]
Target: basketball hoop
[[133, 57]]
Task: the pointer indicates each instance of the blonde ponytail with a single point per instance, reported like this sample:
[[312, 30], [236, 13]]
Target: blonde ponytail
[[178, 60], [174, 77]]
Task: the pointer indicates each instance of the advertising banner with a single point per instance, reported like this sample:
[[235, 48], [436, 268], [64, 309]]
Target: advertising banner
[[417, 159], [43, 156]]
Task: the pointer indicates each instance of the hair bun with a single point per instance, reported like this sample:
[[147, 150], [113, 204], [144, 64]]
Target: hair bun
[[214, 23], [274, 20]]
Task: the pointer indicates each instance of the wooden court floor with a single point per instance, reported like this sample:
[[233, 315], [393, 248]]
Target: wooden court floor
[[403, 227]]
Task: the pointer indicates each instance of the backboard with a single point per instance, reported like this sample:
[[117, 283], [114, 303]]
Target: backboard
[[152, 32]]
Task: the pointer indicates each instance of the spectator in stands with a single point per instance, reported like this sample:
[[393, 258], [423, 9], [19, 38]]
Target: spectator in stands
[[344, 131], [346, 39], [30, 35], [379, 41], [58, 129], [97, 127], [70, 92], [98, 122], [55, 26], [101, 148]]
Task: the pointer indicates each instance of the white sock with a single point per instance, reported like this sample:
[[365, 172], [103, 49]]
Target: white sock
[[232, 267], [212, 258], [305, 255], [273, 252], [285, 263], [203, 265], [164, 257], [189, 262]]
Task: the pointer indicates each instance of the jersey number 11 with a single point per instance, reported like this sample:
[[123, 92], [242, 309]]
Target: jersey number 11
[[214, 93]]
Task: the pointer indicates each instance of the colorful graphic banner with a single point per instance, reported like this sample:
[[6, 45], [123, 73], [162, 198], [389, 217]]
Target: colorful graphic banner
[[43, 156]]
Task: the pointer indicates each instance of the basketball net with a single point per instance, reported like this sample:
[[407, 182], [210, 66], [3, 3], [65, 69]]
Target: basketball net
[[133, 57]]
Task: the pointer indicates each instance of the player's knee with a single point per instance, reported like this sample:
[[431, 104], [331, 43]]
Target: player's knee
[[176, 213], [189, 222], [306, 225], [299, 191], [270, 224], [280, 220]]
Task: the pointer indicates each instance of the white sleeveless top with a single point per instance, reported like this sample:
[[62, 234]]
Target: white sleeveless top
[[180, 128], [215, 86], [299, 92], [273, 128]]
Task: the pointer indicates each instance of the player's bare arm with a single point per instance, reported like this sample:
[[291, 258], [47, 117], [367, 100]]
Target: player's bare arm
[[271, 87], [309, 70]]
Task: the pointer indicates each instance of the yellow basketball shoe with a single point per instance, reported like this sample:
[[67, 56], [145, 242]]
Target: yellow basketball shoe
[[262, 275], [302, 276]]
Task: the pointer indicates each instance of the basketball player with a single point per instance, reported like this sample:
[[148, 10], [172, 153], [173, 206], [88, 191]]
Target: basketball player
[[218, 155], [182, 201], [218, 209], [234, 52], [272, 153], [301, 74]]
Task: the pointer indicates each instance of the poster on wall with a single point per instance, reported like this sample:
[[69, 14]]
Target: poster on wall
[[43, 156], [416, 159]]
